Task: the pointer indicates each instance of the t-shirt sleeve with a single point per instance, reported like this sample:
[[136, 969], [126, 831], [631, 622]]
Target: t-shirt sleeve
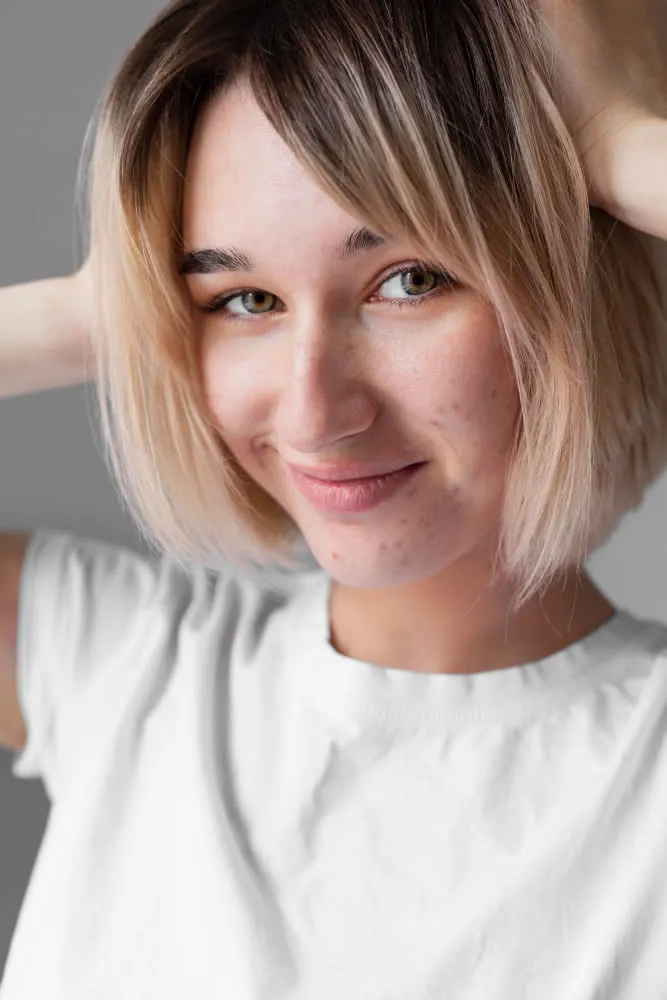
[[92, 619]]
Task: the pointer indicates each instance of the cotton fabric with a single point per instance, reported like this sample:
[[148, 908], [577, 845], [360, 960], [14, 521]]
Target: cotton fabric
[[239, 811]]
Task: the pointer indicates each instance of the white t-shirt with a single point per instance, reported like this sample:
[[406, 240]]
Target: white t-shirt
[[240, 811]]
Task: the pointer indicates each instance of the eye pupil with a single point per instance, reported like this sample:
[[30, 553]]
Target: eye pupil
[[419, 282], [262, 300]]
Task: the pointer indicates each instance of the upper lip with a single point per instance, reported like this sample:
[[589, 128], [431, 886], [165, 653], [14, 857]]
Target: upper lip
[[339, 472]]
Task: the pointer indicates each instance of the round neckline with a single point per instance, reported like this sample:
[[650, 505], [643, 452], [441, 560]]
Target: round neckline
[[341, 682]]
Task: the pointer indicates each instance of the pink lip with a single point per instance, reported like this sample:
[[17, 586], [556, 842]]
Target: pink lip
[[352, 496], [341, 472]]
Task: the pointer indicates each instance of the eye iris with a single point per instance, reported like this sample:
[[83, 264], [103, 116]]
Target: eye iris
[[420, 284], [257, 299]]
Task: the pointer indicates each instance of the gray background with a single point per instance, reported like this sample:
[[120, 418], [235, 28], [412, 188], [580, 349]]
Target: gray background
[[55, 58]]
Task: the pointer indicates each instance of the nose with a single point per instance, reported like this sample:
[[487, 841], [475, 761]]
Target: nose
[[326, 394]]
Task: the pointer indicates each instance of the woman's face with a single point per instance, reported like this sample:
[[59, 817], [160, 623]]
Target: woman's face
[[340, 359]]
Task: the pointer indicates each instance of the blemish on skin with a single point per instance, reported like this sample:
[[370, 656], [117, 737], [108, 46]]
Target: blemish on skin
[[494, 394], [404, 520], [334, 555], [398, 543], [383, 546]]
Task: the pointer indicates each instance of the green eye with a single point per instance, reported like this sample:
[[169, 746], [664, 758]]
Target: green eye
[[415, 281], [263, 300], [413, 284]]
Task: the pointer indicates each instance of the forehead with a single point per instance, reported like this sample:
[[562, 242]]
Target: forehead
[[240, 172], [232, 132]]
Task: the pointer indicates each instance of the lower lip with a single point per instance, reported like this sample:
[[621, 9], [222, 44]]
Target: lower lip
[[356, 495]]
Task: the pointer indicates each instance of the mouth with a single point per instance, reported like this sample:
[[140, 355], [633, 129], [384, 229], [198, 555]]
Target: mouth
[[353, 495], [339, 473]]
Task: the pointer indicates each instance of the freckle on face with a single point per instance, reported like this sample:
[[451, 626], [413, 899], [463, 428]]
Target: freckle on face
[[451, 369]]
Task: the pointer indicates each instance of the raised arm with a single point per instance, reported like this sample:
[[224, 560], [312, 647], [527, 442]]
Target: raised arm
[[635, 176], [44, 344], [610, 59], [13, 547], [44, 334]]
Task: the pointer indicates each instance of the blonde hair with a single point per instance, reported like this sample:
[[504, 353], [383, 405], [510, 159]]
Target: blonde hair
[[436, 122]]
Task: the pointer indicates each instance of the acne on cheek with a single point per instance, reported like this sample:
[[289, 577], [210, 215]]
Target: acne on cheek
[[476, 398], [443, 410], [467, 374]]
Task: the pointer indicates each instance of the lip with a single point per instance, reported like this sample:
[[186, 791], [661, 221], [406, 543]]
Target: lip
[[342, 472], [352, 496]]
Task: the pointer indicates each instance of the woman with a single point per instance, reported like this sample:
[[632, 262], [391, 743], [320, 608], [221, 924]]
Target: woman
[[357, 240]]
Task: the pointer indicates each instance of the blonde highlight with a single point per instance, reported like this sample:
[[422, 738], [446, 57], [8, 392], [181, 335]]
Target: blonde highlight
[[442, 127]]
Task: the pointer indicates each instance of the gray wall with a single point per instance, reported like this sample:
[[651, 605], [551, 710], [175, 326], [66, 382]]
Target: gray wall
[[55, 58]]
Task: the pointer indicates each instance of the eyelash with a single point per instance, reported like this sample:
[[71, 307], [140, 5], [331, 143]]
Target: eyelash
[[446, 283]]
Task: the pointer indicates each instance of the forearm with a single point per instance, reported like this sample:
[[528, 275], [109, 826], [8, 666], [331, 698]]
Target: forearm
[[41, 343], [635, 178]]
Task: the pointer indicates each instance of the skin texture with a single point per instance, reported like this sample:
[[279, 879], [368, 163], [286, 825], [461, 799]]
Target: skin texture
[[333, 369]]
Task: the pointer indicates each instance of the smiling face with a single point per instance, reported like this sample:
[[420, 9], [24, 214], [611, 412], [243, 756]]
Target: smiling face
[[317, 357]]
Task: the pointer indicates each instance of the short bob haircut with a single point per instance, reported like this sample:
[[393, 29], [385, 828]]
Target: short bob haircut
[[432, 120]]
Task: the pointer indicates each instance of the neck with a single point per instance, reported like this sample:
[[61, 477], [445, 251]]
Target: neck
[[427, 627]]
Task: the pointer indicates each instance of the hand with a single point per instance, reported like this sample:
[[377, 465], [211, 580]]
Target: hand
[[611, 65]]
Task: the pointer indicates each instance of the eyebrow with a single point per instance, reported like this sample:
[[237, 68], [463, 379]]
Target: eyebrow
[[215, 259]]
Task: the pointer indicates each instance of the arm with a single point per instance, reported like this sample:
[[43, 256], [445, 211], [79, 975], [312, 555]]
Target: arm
[[633, 176], [609, 63], [43, 334], [13, 548]]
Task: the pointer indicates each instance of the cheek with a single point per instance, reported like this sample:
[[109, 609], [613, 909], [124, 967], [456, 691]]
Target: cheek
[[466, 391], [460, 384], [231, 388]]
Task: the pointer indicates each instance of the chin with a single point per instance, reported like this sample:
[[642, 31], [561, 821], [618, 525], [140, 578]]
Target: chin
[[355, 569]]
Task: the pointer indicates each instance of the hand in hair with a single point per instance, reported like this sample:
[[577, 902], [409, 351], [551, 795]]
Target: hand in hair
[[610, 58]]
